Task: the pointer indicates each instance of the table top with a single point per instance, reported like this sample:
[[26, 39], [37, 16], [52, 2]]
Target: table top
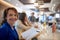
[[49, 36]]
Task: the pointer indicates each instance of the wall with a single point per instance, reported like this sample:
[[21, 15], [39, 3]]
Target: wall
[[2, 7]]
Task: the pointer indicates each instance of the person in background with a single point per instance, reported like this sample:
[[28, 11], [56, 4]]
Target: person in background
[[22, 24], [23, 21], [7, 30], [32, 17]]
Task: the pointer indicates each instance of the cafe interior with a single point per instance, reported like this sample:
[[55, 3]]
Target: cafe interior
[[46, 18]]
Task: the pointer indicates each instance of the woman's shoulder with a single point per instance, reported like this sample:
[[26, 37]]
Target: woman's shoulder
[[4, 31], [4, 27], [18, 21]]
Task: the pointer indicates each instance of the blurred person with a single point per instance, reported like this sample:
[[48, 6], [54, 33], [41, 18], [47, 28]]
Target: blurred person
[[7, 30], [23, 24], [32, 17], [23, 21]]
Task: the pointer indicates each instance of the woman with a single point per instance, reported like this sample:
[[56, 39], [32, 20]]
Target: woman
[[22, 24], [7, 30], [25, 22]]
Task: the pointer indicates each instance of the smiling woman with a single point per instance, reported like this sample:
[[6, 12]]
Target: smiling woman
[[7, 30]]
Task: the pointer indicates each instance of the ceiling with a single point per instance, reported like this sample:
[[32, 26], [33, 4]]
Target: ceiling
[[32, 1], [28, 3]]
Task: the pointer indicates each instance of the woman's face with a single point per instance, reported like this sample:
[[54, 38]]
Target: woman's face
[[11, 16]]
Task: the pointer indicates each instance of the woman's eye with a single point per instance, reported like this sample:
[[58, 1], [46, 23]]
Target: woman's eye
[[10, 15], [15, 15]]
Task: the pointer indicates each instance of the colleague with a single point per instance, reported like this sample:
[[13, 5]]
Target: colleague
[[7, 30], [23, 22], [32, 17]]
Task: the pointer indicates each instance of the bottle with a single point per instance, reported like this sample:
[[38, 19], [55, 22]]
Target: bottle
[[53, 27], [44, 25]]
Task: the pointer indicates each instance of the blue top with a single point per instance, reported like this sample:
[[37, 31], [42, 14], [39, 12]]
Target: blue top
[[6, 32]]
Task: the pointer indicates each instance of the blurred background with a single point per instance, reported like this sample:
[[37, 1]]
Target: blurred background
[[46, 10]]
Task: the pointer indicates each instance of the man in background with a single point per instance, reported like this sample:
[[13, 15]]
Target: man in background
[[32, 17]]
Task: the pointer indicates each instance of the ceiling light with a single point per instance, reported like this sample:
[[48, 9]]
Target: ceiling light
[[32, 1]]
